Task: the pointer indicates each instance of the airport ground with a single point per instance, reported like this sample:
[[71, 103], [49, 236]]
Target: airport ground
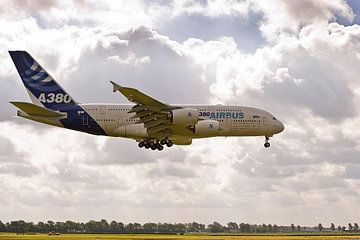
[[13, 236]]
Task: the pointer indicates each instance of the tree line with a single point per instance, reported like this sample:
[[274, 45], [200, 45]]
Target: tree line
[[103, 226]]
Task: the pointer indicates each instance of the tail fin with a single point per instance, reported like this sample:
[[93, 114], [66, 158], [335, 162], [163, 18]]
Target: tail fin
[[42, 88]]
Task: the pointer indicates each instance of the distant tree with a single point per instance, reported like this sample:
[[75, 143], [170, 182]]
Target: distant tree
[[179, 227], [216, 227], [31, 227], [193, 227], [248, 228], [270, 228], [150, 227], [332, 227], [233, 226], [350, 226], [292, 227], [72, 227], [104, 226], [202, 227], [114, 227], [339, 228], [18, 226], [356, 227], [242, 227], [275, 228], [298, 228], [41, 227], [320, 227], [130, 228], [256, 228], [2, 227], [343, 229], [51, 225], [121, 227], [138, 227], [92, 227], [60, 227]]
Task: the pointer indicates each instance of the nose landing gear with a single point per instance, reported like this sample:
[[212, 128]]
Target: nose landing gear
[[267, 144]]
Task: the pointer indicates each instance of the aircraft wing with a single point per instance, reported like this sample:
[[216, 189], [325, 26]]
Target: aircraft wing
[[153, 113]]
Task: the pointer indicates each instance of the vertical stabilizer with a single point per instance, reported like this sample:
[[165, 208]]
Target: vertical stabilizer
[[42, 88]]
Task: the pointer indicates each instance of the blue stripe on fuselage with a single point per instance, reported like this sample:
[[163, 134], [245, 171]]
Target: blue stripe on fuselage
[[77, 118]]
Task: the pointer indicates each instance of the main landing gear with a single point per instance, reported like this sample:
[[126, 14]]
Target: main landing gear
[[267, 144], [154, 144]]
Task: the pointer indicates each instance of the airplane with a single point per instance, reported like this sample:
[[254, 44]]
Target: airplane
[[152, 123]]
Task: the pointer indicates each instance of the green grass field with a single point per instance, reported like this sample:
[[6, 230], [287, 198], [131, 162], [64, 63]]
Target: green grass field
[[12, 236]]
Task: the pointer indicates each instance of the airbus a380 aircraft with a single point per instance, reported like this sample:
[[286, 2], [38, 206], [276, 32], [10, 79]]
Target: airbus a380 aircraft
[[152, 123]]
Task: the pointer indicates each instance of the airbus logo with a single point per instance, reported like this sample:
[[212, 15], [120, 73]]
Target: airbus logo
[[219, 115]]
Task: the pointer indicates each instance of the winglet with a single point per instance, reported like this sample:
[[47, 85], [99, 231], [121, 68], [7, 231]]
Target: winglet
[[115, 86], [135, 96]]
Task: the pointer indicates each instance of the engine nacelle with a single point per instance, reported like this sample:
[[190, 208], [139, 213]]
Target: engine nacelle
[[133, 131], [185, 116], [206, 128]]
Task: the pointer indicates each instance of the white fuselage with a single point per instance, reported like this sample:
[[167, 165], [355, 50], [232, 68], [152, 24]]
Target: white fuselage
[[115, 120]]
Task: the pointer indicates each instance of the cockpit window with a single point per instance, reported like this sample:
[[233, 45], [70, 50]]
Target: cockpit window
[[274, 118]]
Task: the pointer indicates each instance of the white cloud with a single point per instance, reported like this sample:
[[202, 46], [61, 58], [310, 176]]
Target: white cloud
[[284, 18]]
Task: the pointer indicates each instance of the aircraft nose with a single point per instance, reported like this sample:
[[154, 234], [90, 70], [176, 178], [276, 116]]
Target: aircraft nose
[[280, 127]]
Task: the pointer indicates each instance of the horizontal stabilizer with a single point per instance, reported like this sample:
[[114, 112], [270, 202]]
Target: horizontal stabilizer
[[35, 110]]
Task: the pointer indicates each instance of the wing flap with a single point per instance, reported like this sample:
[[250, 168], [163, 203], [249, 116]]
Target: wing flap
[[36, 110], [139, 108], [151, 117], [157, 122], [141, 114]]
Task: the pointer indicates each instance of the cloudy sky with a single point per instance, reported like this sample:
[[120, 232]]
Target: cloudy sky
[[300, 60]]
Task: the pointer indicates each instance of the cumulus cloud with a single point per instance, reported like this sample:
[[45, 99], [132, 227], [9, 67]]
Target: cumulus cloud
[[282, 18], [307, 11], [292, 58]]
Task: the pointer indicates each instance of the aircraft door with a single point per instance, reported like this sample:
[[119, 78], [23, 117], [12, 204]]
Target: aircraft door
[[265, 121], [121, 120], [85, 120], [102, 109]]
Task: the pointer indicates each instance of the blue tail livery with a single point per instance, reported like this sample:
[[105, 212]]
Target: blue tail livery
[[42, 88], [45, 92]]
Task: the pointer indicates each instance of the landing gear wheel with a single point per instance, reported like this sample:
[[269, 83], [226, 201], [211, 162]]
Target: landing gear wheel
[[267, 144], [160, 147], [163, 142], [147, 145], [153, 147], [169, 143], [141, 144]]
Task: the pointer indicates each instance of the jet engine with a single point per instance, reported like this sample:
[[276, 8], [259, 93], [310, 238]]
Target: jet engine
[[206, 128], [184, 116]]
